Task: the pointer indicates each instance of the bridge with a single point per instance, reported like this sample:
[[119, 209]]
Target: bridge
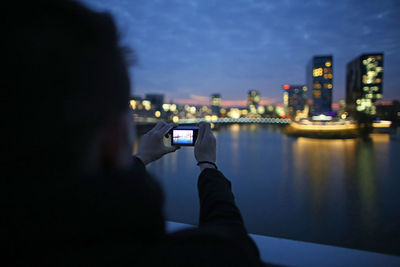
[[142, 120]]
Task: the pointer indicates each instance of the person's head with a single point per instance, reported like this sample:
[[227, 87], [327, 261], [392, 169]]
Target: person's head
[[66, 86]]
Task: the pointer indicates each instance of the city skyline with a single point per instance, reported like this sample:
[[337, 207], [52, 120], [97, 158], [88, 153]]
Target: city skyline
[[190, 50]]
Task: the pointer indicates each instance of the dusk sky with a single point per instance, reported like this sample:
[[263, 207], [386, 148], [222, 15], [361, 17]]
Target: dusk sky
[[190, 49]]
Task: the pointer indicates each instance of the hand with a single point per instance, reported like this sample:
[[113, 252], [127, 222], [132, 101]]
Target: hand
[[151, 146], [205, 148]]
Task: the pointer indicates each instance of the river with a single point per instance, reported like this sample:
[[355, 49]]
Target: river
[[337, 192]]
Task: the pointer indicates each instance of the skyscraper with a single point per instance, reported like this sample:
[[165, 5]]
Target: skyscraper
[[215, 103], [253, 99], [294, 98], [364, 79], [319, 77]]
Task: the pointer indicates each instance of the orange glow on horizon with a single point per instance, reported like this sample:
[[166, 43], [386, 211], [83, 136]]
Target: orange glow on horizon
[[224, 103]]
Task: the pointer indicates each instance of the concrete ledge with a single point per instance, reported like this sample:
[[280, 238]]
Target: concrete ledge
[[297, 253]]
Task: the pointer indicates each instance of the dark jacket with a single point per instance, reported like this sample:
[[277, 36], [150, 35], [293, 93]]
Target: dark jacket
[[117, 219]]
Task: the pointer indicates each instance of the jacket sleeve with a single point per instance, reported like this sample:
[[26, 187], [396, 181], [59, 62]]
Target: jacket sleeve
[[217, 204], [218, 211]]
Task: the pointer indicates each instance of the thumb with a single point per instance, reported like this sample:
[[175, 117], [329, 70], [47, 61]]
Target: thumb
[[170, 149]]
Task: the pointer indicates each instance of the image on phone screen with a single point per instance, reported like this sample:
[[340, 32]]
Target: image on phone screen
[[182, 137]]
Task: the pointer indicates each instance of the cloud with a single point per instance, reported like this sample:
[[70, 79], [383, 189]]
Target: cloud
[[229, 46], [199, 98]]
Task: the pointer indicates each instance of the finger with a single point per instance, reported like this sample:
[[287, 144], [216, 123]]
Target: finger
[[201, 132], [158, 126], [170, 149], [166, 128], [168, 133], [212, 135], [207, 132]]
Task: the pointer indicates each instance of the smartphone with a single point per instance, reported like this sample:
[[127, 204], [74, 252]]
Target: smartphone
[[184, 135]]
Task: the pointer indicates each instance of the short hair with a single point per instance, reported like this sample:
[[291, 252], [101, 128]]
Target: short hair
[[66, 75]]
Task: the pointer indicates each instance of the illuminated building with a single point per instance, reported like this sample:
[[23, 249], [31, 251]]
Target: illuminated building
[[294, 98], [253, 99], [157, 100], [215, 103], [319, 77], [135, 102], [364, 79]]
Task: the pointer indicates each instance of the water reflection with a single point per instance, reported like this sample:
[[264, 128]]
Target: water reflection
[[234, 154], [339, 192]]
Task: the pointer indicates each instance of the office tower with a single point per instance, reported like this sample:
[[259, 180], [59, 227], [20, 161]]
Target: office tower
[[294, 98], [364, 79], [157, 100], [319, 77], [253, 99], [215, 103]]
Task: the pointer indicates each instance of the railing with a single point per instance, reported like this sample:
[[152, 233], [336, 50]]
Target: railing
[[286, 252], [150, 120], [239, 120]]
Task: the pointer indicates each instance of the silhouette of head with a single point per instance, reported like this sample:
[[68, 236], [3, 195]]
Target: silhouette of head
[[66, 88]]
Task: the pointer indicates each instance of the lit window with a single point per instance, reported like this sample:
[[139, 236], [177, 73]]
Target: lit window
[[133, 104], [146, 104], [317, 72], [216, 101], [285, 98], [317, 93], [166, 107], [317, 85], [328, 64]]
